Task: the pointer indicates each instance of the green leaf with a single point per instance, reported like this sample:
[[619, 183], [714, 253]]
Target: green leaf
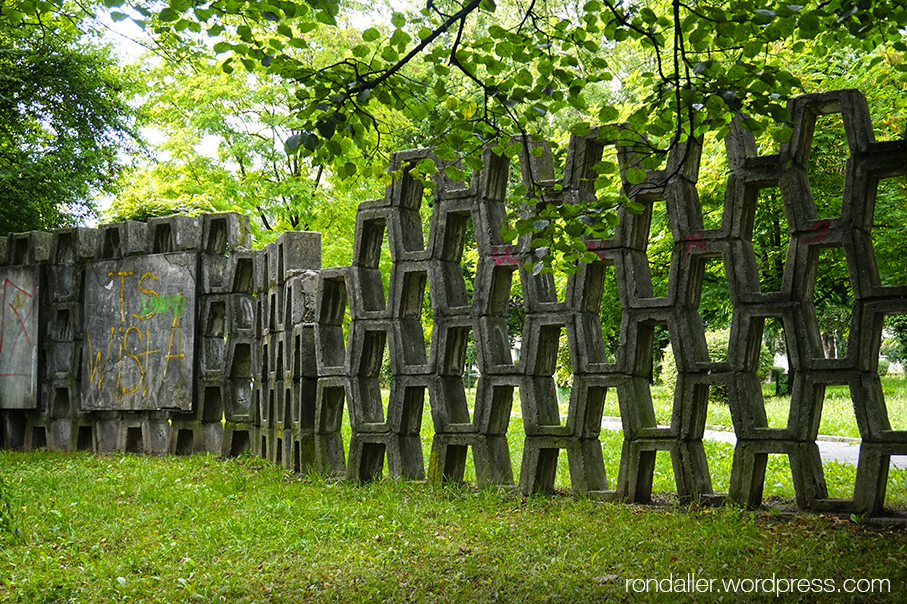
[[454, 173], [635, 176], [784, 135], [398, 20], [371, 34], [292, 144], [117, 16], [325, 17]]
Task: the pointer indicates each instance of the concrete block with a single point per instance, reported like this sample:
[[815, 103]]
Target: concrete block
[[212, 400], [248, 272], [174, 234], [491, 459], [106, 432], [330, 345], [238, 400], [494, 402], [12, 429], [369, 238], [448, 287], [300, 298], [541, 342], [225, 233], [37, 426], [366, 458], [370, 339], [494, 339], [449, 409], [409, 349], [493, 286], [541, 409], [60, 398], [30, 248], [298, 252], [21, 336], [238, 439], [587, 466], [65, 282], [407, 401], [74, 245], [539, 466], [368, 299], [121, 239], [406, 238], [143, 305], [366, 406], [212, 358], [62, 359], [216, 273], [451, 338]]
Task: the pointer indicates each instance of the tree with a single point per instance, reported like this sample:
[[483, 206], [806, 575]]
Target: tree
[[705, 63], [64, 124], [701, 64], [223, 148]]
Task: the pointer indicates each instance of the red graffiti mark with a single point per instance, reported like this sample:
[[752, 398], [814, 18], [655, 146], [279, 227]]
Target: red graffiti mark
[[695, 239], [16, 305], [822, 230], [503, 256], [599, 247]]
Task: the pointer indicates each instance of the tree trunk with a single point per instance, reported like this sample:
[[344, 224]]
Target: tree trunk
[[828, 345]]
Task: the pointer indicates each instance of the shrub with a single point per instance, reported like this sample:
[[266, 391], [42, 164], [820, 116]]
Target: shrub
[[884, 364]]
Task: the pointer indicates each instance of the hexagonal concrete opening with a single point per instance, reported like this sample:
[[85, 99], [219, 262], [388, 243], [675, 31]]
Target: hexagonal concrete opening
[[458, 257], [833, 300], [827, 163], [714, 304], [770, 237], [415, 206], [502, 315], [658, 248], [888, 241], [372, 260], [778, 481], [891, 365], [769, 374], [412, 318], [598, 322], [713, 174]]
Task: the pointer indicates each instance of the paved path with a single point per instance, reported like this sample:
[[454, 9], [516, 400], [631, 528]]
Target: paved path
[[830, 448]]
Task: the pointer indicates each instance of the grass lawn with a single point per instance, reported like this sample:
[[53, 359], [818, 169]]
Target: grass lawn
[[125, 528], [838, 417]]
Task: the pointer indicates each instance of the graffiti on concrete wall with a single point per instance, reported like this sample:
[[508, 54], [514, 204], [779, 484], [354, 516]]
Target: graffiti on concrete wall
[[140, 333], [19, 337]]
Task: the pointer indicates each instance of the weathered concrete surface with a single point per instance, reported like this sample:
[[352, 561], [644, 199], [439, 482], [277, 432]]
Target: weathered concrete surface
[[140, 333], [19, 337]]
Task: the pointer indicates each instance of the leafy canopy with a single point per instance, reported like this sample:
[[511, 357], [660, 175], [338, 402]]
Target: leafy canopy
[[517, 68], [64, 122]]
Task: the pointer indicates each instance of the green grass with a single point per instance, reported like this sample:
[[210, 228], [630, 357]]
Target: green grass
[[840, 478], [838, 418], [125, 528]]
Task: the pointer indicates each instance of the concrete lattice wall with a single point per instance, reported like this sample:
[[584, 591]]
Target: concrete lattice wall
[[199, 344]]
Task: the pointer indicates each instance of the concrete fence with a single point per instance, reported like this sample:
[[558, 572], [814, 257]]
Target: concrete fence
[[175, 337]]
